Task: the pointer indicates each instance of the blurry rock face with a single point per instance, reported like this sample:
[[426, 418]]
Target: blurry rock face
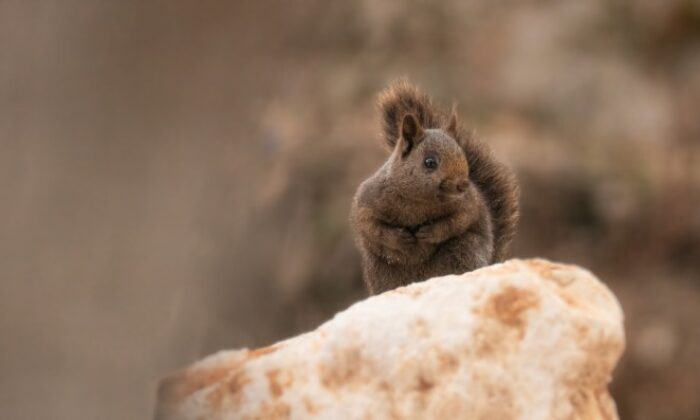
[[520, 340]]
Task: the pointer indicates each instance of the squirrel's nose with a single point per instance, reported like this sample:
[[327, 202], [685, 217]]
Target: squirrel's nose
[[462, 185]]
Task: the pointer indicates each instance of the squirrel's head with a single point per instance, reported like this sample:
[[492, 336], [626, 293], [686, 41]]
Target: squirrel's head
[[429, 164]]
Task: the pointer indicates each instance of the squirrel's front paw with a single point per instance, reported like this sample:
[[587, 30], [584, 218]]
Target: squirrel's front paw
[[398, 245], [394, 256], [430, 233], [400, 237]]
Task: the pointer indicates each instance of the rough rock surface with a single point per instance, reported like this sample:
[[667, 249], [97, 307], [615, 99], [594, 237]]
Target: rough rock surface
[[520, 340]]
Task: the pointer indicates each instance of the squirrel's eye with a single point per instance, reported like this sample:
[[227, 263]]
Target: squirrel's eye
[[430, 162]]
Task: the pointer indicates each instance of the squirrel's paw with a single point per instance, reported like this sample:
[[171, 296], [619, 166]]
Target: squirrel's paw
[[394, 256], [430, 233], [398, 245], [399, 238]]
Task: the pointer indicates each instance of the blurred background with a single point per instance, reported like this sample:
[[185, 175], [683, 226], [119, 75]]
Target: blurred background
[[175, 176]]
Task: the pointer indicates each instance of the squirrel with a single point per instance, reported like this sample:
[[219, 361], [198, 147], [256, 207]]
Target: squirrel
[[441, 204]]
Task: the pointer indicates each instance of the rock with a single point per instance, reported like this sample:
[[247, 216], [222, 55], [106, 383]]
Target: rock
[[520, 340]]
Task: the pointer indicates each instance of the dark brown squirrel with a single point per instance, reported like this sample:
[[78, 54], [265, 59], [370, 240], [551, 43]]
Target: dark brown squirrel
[[441, 204]]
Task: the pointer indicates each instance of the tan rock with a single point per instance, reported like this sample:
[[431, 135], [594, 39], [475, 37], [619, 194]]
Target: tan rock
[[520, 340]]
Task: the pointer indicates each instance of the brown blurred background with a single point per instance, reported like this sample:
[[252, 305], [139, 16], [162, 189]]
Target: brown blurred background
[[176, 175]]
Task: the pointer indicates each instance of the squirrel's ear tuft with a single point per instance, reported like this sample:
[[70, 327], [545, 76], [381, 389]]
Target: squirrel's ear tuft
[[411, 133], [453, 123], [399, 99]]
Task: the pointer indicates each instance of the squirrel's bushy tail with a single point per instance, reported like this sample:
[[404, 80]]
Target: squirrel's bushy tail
[[499, 188], [495, 181]]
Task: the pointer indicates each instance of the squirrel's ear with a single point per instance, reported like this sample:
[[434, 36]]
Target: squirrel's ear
[[452, 122], [411, 133]]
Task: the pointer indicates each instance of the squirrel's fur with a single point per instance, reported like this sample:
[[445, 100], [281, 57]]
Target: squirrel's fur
[[412, 221]]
